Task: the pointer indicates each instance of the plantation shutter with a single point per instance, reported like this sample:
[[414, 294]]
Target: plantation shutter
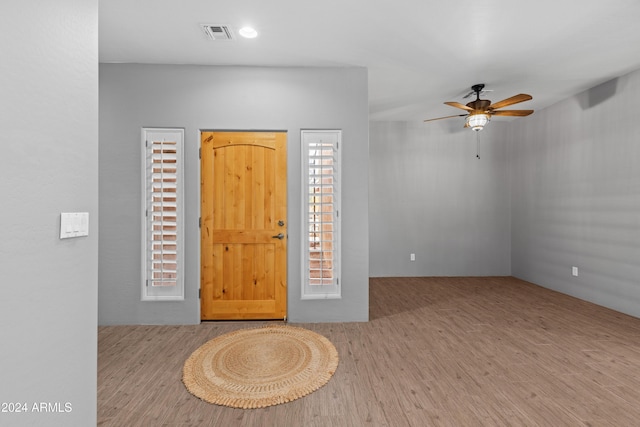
[[163, 277], [321, 205]]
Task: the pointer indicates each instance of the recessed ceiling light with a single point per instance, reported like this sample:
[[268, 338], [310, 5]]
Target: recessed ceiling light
[[248, 32]]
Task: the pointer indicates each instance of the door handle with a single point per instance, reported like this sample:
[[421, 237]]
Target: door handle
[[278, 236]]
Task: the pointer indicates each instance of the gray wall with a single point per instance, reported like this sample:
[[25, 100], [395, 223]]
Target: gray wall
[[575, 196], [431, 196], [202, 97], [49, 116]]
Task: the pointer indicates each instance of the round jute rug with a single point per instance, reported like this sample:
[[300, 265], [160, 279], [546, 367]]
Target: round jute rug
[[255, 368]]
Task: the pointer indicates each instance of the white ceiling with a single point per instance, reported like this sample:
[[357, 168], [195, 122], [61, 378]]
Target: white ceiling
[[419, 53]]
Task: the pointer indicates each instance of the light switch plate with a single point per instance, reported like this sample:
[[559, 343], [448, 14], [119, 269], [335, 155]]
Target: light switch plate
[[74, 224]]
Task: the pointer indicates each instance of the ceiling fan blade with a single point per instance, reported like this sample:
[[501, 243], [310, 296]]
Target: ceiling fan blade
[[510, 101], [458, 105], [515, 113], [447, 117]]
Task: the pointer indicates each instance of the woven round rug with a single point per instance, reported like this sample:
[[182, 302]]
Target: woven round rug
[[255, 368]]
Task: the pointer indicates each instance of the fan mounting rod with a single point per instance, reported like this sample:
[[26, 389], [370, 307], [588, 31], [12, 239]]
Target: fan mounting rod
[[477, 89]]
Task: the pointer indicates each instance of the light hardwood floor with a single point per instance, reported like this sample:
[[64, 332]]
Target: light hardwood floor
[[491, 351]]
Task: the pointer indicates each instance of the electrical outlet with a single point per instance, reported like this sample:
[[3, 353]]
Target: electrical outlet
[[412, 257], [574, 271]]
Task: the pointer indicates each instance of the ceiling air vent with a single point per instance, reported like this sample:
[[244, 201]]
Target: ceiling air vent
[[217, 32]]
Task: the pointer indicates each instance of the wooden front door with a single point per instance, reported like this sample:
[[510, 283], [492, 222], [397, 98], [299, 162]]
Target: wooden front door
[[244, 225]]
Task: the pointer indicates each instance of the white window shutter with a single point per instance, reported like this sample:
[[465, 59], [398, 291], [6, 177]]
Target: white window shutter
[[163, 215], [321, 213]]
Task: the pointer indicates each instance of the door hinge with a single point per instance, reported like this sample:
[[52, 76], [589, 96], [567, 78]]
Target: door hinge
[[200, 222], [147, 283], [200, 153], [200, 293], [146, 143]]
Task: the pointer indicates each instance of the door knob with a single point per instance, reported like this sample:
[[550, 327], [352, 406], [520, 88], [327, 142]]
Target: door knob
[[278, 236]]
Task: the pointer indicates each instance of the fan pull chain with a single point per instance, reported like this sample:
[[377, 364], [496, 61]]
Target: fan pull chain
[[478, 144]]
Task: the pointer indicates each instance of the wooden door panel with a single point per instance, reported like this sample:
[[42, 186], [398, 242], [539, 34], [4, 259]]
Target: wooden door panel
[[247, 271], [230, 310], [240, 179], [243, 201]]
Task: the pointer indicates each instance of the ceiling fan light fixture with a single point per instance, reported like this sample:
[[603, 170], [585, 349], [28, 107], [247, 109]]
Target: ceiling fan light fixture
[[477, 121], [479, 112]]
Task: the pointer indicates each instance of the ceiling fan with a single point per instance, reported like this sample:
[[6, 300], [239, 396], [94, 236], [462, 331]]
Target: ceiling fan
[[479, 112]]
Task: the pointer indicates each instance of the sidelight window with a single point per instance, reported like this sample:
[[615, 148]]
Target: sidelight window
[[163, 215], [321, 213]]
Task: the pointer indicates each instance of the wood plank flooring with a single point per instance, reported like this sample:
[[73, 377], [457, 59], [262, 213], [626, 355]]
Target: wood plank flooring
[[491, 351]]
